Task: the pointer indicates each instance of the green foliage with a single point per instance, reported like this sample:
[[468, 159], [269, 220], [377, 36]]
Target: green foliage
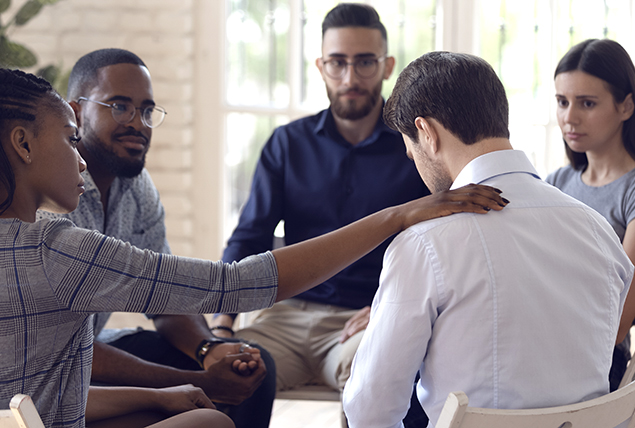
[[27, 11], [4, 5], [16, 55]]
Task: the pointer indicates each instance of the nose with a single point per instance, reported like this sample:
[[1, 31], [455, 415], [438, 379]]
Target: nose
[[349, 75], [136, 121], [570, 114], [80, 162]]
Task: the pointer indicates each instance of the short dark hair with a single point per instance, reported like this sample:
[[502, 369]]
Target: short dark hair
[[22, 95], [354, 15], [83, 76], [607, 60], [460, 91]]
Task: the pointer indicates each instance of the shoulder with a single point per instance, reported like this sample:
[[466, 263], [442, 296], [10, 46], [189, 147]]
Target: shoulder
[[629, 181], [42, 231], [429, 236], [142, 187], [561, 176], [307, 125]]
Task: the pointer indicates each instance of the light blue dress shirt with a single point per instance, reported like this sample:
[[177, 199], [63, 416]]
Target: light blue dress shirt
[[517, 308]]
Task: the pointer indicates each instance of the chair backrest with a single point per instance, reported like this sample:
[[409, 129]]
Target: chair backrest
[[22, 414], [609, 411], [629, 374]]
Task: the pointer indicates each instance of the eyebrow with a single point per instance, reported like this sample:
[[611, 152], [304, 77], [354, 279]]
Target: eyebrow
[[577, 97], [361, 55], [116, 98], [72, 126]]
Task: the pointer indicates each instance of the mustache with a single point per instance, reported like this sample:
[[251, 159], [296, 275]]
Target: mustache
[[353, 90], [132, 133]]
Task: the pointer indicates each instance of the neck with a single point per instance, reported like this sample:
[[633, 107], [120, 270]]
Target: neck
[[102, 177], [23, 206], [464, 154], [607, 166], [356, 131]]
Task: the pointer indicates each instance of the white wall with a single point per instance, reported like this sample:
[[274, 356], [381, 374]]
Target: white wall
[[183, 52]]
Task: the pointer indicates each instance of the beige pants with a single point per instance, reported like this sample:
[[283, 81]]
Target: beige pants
[[303, 339]]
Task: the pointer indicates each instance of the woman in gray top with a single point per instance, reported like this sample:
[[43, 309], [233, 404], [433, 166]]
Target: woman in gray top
[[594, 90]]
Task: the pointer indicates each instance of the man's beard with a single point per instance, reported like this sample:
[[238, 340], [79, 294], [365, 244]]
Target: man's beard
[[107, 157], [437, 178], [347, 110]]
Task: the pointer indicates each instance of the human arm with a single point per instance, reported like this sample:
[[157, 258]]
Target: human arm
[[628, 313], [224, 320], [394, 344], [262, 211], [309, 263], [109, 402], [111, 275], [186, 332], [220, 381]]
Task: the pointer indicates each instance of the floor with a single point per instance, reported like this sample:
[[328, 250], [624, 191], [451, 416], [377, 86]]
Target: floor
[[286, 413]]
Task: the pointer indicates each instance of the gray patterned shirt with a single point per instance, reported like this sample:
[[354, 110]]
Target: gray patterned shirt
[[54, 276], [135, 215]]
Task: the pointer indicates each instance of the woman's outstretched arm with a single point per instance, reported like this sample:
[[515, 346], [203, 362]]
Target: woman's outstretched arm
[[309, 263]]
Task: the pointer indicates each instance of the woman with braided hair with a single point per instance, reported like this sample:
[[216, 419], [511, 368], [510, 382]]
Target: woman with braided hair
[[53, 275], [38, 130]]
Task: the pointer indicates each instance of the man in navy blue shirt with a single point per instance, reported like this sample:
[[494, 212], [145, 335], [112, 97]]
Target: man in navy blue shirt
[[317, 174]]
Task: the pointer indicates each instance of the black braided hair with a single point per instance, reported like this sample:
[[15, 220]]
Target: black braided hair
[[20, 94]]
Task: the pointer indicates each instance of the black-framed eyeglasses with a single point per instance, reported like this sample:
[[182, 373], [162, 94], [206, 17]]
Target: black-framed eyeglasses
[[365, 68], [123, 112]]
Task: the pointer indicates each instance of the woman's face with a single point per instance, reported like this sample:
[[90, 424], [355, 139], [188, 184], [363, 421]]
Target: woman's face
[[56, 163], [589, 117]]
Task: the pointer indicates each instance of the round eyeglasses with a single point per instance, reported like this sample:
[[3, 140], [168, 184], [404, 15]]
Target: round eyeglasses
[[365, 68], [123, 112]]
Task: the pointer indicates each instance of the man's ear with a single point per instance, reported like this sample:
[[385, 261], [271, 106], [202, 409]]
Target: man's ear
[[77, 109], [320, 65], [20, 138], [389, 66], [427, 134]]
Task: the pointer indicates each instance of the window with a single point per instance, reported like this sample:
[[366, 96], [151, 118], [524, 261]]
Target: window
[[524, 42], [271, 78]]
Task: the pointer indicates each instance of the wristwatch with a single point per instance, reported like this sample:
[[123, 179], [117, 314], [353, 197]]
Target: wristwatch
[[203, 349]]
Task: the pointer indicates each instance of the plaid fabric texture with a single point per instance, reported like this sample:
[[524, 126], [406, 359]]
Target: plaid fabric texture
[[53, 276]]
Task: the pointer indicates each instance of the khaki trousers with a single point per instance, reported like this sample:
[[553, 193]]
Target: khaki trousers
[[303, 339]]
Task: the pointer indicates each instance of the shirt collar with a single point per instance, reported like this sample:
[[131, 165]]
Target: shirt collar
[[494, 164], [326, 126], [89, 183], [90, 186]]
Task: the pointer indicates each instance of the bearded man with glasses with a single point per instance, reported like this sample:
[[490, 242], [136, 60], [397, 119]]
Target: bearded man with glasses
[[110, 91], [317, 174]]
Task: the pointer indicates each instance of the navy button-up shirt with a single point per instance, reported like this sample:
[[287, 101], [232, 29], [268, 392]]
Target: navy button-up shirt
[[309, 176]]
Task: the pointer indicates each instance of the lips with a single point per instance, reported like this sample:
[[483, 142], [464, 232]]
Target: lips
[[573, 135], [353, 93], [133, 142]]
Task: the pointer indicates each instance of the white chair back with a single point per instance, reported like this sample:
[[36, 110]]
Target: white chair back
[[609, 411], [22, 414]]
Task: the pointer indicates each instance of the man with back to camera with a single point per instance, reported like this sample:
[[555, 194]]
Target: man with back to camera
[[111, 93], [317, 174], [494, 306]]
